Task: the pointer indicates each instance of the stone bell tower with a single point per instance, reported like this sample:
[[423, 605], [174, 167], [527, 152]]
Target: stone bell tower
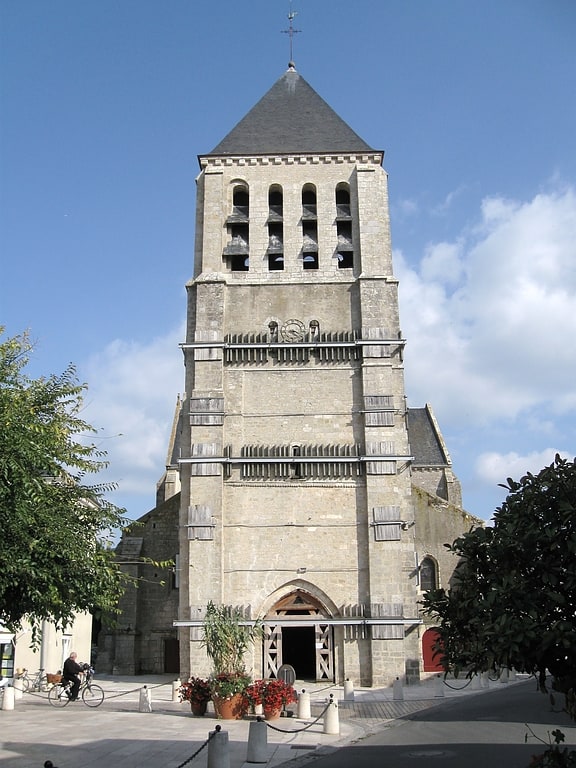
[[295, 459]]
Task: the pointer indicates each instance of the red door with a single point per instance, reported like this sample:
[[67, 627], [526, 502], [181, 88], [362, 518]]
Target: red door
[[432, 657]]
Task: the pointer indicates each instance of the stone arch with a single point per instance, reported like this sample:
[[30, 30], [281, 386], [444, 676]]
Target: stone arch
[[299, 585], [298, 631]]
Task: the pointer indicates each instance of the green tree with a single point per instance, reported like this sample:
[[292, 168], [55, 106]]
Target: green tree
[[512, 601], [53, 524]]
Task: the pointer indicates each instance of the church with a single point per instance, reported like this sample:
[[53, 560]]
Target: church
[[299, 487]]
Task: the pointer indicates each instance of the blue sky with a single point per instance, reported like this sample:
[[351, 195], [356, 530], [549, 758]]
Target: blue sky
[[106, 105]]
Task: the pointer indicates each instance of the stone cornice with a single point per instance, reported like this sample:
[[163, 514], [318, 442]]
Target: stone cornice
[[215, 161]]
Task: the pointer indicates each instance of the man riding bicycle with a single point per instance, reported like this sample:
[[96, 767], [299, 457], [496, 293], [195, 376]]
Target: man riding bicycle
[[71, 672]]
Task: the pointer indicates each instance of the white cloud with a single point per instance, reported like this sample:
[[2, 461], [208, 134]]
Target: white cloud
[[493, 468], [131, 399], [490, 317], [406, 208], [443, 208], [443, 262]]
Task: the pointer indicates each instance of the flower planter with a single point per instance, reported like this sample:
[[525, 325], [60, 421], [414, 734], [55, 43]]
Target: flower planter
[[272, 695], [232, 708], [196, 690]]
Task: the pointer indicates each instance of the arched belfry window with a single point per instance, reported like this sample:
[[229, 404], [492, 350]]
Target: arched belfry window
[[428, 574], [309, 228], [241, 202], [237, 251], [343, 203], [344, 247], [275, 222]]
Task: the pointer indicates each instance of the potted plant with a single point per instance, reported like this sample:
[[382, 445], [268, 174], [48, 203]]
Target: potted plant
[[198, 692], [227, 638], [273, 695]]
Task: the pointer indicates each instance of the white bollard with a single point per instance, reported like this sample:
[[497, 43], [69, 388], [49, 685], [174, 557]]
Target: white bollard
[[18, 688], [505, 676], [348, 690], [331, 719], [145, 701], [476, 682], [304, 712], [218, 749], [439, 687], [175, 689], [485, 680], [397, 690], [257, 751], [8, 699]]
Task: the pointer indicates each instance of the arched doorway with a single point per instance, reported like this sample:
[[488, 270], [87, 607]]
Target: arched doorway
[[431, 657], [295, 634]]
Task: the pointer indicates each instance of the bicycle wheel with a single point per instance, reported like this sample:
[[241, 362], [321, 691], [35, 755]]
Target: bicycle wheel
[[58, 695], [92, 695], [25, 683]]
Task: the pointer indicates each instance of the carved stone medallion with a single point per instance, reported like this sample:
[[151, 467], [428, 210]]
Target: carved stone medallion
[[293, 330]]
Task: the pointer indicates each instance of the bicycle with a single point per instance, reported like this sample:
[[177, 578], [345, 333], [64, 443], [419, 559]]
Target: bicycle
[[36, 682], [92, 694]]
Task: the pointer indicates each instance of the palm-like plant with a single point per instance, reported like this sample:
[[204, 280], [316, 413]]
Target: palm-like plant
[[227, 639]]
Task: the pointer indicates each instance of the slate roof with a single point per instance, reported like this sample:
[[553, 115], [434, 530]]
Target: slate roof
[[291, 118], [425, 443]]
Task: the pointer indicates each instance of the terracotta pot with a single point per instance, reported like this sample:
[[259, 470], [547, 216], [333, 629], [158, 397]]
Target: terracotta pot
[[198, 708], [272, 713], [232, 708]]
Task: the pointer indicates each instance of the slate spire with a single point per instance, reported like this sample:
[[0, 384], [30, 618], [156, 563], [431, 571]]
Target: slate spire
[[291, 118]]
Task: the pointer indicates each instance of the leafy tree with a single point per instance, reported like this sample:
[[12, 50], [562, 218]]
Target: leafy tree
[[53, 524], [512, 602]]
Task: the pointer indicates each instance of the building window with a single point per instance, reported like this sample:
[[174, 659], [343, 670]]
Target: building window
[[296, 468], [344, 247], [237, 251], [275, 250], [309, 202], [343, 212], [200, 523], [428, 574], [387, 523], [6, 655], [309, 228], [176, 573]]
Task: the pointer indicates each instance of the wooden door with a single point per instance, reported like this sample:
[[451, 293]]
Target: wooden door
[[324, 652], [272, 650]]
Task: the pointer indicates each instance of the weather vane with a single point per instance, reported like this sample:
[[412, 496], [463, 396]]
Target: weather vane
[[291, 32]]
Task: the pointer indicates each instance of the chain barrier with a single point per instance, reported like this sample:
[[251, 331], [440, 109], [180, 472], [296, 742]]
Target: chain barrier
[[210, 737], [108, 694], [326, 688], [452, 687], [296, 730], [134, 690]]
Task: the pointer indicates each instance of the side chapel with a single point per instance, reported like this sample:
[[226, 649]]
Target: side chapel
[[299, 487]]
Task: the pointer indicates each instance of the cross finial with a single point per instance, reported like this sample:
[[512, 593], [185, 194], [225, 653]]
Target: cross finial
[[291, 32]]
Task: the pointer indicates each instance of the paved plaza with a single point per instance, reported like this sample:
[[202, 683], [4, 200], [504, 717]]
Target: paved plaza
[[118, 735]]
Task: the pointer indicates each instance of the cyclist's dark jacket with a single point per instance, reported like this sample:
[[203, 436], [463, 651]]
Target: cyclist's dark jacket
[[71, 669]]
